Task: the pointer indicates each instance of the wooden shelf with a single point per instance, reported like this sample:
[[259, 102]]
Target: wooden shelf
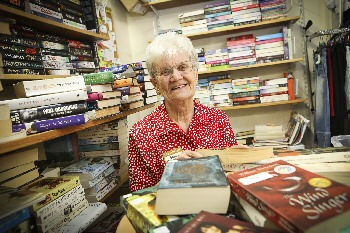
[[252, 66], [48, 135], [49, 26], [30, 76], [263, 104], [252, 26], [165, 4]]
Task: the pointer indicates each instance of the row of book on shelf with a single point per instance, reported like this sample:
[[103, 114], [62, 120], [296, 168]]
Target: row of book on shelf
[[222, 90], [296, 192], [224, 14], [80, 14], [48, 104]]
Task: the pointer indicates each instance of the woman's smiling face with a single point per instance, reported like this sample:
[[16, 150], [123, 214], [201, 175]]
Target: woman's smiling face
[[177, 78]]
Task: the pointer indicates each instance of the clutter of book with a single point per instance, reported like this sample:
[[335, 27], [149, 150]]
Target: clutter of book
[[274, 185]]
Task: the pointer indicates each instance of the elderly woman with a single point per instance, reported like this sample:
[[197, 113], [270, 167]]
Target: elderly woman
[[180, 121]]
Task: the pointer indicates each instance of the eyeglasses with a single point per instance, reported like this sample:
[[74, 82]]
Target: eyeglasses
[[184, 68]]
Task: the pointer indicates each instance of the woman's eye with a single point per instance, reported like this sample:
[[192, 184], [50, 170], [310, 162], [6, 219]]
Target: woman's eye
[[182, 68]]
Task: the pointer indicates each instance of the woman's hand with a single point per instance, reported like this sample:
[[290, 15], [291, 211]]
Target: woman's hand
[[188, 154]]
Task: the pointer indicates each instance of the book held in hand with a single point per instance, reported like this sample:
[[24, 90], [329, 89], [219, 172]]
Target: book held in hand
[[294, 199], [189, 186], [209, 222]]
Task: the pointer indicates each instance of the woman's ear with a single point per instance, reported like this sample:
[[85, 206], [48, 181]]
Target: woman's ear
[[154, 81]]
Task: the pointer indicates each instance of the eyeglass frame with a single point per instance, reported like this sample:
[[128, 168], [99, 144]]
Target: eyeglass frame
[[171, 70]]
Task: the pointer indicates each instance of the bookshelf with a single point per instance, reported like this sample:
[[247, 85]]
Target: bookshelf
[[48, 25], [21, 77], [165, 4], [48, 135]]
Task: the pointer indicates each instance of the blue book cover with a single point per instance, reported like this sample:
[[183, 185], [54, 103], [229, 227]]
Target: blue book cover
[[269, 37], [189, 173], [13, 220]]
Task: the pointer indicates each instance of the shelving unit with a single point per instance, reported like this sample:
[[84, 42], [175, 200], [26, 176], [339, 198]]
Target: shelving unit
[[29, 76], [48, 135], [48, 25]]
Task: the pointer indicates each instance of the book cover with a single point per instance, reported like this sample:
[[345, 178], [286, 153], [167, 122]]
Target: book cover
[[11, 221], [209, 222], [293, 198], [47, 112], [52, 188], [172, 226], [85, 219], [13, 200], [189, 186]]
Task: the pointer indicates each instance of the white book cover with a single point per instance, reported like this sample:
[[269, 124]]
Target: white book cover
[[93, 154], [87, 168], [191, 13], [151, 99], [48, 86], [41, 100], [85, 218]]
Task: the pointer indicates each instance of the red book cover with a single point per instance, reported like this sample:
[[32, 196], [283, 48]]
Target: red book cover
[[209, 222], [294, 199]]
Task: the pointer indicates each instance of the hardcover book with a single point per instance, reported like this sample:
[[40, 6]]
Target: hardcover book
[[294, 199], [41, 100], [47, 112], [206, 221], [52, 188], [189, 186]]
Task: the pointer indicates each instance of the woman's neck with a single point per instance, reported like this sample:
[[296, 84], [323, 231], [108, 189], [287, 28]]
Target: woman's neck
[[181, 113]]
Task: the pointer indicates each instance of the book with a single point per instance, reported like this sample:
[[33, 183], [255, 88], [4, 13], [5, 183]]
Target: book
[[87, 168], [48, 86], [4, 111], [11, 221], [41, 100], [206, 221], [47, 112], [13, 200], [296, 128], [173, 226], [232, 155], [189, 186], [52, 188], [85, 219], [15, 171], [294, 199], [50, 124]]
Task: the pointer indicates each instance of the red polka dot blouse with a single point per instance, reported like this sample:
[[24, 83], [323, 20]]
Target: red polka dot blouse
[[156, 134]]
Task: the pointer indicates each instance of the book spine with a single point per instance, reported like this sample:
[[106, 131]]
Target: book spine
[[124, 82], [50, 5], [22, 64], [55, 52], [49, 86], [56, 58], [92, 154], [99, 147], [21, 57], [20, 49], [57, 65], [99, 78], [7, 70], [80, 52], [74, 24], [269, 37], [192, 18], [47, 112], [20, 41]]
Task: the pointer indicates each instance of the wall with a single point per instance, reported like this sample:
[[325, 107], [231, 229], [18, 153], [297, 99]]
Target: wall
[[141, 30]]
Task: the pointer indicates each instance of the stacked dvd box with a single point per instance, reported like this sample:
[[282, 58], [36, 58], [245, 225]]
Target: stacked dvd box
[[193, 22], [217, 59], [241, 50], [271, 48], [245, 12], [272, 9]]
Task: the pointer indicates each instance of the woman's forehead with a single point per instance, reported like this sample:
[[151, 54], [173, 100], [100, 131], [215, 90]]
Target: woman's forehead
[[172, 59]]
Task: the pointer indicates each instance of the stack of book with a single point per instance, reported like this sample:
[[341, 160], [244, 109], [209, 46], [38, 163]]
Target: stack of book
[[270, 136], [202, 94], [89, 12], [270, 47], [221, 92], [149, 93], [241, 50], [20, 50], [102, 98], [296, 128], [246, 91], [217, 59], [193, 22], [201, 59], [271, 9], [245, 12], [15, 174], [46, 10], [274, 90], [82, 56], [218, 14], [96, 175], [44, 105]]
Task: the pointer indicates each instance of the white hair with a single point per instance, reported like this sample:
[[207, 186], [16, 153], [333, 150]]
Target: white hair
[[167, 46]]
